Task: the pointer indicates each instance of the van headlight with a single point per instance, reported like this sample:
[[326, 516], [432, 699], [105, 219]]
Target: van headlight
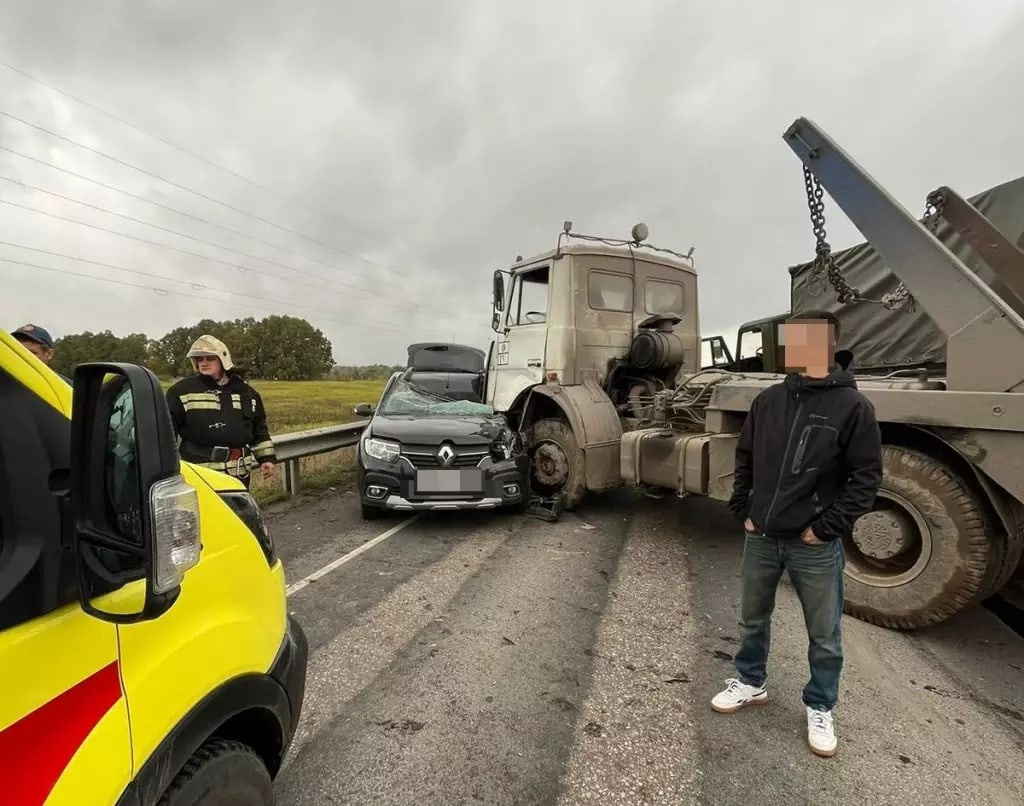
[[381, 449], [174, 513], [245, 507]]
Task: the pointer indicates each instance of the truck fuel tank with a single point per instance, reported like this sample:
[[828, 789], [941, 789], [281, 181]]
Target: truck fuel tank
[[682, 461]]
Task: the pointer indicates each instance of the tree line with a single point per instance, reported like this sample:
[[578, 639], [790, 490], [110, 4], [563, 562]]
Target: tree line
[[285, 348]]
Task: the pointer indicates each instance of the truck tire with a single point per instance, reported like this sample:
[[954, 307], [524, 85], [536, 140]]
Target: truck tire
[[1006, 557], [557, 463], [923, 553], [221, 773]]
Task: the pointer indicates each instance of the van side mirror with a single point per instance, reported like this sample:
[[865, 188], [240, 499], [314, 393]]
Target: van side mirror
[[136, 520], [363, 410], [498, 292]]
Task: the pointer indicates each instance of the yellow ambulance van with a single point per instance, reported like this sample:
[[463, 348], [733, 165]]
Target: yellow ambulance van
[[146, 651]]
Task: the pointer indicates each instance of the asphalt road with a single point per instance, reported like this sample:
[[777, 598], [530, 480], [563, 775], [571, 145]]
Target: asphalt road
[[499, 659]]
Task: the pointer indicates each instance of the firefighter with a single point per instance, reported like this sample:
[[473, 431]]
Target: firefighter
[[218, 417]]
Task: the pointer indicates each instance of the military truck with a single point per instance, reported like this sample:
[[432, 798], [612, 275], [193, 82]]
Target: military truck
[[597, 360]]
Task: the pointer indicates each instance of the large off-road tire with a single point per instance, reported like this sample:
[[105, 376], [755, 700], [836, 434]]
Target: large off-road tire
[[221, 773], [1006, 557], [557, 462], [926, 550]]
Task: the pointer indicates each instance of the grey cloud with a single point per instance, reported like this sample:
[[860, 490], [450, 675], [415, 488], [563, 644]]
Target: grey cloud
[[444, 138]]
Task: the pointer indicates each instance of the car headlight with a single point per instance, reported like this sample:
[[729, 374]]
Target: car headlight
[[382, 449], [245, 507]]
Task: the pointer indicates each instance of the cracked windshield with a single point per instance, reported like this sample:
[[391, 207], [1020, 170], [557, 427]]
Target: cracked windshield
[[522, 404]]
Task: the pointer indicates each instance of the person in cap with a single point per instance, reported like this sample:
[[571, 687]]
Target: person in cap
[[219, 418], [39, 342]]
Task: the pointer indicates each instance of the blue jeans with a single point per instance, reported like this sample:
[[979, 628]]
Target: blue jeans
[[817, 575]]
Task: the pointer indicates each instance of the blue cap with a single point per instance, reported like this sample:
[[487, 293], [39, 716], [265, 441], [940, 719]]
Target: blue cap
[[36, 334]]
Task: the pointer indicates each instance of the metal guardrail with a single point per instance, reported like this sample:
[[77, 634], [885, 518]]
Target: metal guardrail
[[290, 448]]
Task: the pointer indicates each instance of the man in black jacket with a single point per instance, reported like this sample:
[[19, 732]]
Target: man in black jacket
[[808, 464], [218, 417]]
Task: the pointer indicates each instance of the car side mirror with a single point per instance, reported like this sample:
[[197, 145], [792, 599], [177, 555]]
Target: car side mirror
[[136, 520], [363, 410]]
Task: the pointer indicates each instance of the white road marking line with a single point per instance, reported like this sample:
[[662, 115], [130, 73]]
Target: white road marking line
[[369, 544]]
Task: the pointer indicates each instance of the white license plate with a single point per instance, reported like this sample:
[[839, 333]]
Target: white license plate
[[452, 480]]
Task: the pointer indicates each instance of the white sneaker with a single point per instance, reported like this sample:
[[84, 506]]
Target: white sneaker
[[821, 733], [736, 695]]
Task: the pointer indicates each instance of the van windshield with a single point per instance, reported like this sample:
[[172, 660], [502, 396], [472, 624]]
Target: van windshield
[[410, 399]]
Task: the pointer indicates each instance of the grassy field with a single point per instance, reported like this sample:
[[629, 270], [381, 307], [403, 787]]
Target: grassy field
[[301, 405]]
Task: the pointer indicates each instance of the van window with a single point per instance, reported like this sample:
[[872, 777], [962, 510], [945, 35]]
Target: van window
[[663, 296], [36, 575], [610, 292]]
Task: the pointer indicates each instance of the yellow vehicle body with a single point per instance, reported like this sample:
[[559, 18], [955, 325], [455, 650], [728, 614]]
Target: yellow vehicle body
[[94, 712]]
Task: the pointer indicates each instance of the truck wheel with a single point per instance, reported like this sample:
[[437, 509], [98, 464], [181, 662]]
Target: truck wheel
[[557, 464], [923, 553], [221, 773]]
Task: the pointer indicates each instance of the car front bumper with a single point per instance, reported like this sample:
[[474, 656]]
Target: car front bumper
[[393, 487]]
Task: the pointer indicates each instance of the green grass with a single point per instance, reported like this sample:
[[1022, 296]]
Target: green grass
[[300, 406]]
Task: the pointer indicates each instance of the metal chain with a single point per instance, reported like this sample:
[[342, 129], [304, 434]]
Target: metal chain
[[825, 264], [823, 260], [933, 207]]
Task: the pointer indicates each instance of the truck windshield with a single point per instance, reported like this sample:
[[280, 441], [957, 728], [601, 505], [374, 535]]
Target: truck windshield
[[410, 399]]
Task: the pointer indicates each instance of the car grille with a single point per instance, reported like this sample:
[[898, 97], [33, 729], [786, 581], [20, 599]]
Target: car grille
[[427, 457]]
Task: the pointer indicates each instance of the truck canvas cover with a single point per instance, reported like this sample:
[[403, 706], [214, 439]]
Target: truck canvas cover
[[439, 357], [882, 339]]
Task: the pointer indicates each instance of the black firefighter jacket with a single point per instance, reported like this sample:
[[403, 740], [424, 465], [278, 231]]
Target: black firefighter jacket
[[207, 416], [809, 454]]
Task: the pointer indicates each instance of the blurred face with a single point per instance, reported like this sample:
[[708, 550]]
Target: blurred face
[[810, 344], [44, 354], [210, 365]]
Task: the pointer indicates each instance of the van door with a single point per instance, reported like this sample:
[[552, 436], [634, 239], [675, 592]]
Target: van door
[[520, 347], [64, 727]]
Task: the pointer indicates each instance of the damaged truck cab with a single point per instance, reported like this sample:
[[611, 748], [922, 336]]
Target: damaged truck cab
[[587, 333]]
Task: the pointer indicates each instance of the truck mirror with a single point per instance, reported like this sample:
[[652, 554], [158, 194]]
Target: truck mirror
[[136, 528], [717, 352], [498, 294], [495, 321]]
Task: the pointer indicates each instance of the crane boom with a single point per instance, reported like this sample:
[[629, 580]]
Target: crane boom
[[984, 335]]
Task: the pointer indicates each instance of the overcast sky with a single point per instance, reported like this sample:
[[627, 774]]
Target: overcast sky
[[407, 149]]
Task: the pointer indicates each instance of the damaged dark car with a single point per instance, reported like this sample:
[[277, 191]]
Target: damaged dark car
[[433, 444]]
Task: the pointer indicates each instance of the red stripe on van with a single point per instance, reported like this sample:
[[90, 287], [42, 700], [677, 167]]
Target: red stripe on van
[[36, 749]]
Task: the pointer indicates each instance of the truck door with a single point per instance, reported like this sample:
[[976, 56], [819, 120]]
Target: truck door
[[64, 727], [520, 347]]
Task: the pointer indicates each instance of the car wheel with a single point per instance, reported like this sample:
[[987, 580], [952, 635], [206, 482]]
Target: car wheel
[[221, 773]]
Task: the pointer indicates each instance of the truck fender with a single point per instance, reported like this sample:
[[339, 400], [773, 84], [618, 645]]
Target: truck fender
[[595, 423]]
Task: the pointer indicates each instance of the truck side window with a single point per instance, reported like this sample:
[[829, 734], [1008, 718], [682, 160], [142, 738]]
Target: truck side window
[[36, 575], [529, 304], [609, 292], [663, 296]]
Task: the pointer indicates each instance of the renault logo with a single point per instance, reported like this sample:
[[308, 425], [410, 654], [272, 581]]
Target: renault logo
[[446, 455]]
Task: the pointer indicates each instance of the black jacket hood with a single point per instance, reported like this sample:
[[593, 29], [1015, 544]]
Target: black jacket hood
[[841, 376]]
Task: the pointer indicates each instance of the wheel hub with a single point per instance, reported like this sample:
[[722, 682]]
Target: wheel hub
[[884, 534], [550, 464]]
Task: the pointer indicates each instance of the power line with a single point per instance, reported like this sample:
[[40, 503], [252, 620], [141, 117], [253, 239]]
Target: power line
[[167, 142], [165, 292], [191, 253], [167, 207], [194, 238], [196, 286], [202, 195]]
